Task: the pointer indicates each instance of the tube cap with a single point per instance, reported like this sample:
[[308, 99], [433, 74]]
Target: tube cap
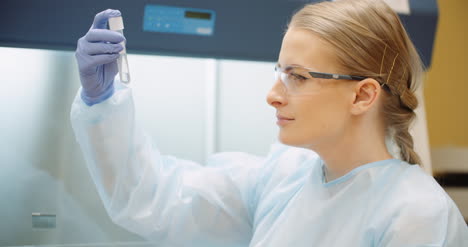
[[116, 23]]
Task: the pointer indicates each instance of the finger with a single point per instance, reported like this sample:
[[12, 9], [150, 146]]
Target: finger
[[102, 48], [100, 20], [103, 59], [104, 35]]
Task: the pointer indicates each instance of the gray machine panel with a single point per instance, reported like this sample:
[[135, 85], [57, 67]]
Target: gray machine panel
[[243, 29]]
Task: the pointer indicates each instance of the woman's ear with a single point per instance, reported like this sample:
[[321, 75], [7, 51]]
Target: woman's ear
[[366, 93]]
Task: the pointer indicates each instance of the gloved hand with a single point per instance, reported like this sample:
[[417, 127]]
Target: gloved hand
[[96, 54]]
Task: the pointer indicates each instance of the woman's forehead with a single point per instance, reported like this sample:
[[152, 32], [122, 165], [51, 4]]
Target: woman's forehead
[[305, 49]]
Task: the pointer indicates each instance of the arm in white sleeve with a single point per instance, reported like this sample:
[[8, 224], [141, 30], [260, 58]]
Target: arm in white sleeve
[[163, 198]]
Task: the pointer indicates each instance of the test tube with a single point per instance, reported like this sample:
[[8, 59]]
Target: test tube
[[116, 24]]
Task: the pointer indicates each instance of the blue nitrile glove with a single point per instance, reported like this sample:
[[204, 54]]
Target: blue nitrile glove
[[96, 55]]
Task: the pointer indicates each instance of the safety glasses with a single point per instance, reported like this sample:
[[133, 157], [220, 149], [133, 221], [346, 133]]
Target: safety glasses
[[295, 79]]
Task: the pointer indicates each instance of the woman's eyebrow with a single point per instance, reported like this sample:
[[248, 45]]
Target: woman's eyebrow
[[294, 65]]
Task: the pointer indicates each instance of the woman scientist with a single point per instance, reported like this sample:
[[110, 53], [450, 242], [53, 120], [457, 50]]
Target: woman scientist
[[345, 82]]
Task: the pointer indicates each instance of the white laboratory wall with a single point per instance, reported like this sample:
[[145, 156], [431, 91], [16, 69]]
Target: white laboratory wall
[[245, 121], [173, 97], [170, 95]]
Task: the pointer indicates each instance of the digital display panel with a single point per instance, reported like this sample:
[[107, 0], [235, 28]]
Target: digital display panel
[[170, 19], [198, 15]]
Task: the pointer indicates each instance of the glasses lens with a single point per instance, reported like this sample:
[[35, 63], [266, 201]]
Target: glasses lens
[[292, 78]]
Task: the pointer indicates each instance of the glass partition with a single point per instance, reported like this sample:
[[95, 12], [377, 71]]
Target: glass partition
[[48, 197]]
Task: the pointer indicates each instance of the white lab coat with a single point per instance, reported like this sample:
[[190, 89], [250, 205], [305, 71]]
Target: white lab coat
[[238, 199]]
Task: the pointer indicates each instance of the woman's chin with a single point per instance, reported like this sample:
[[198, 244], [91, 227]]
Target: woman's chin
[[295, 141], [289, 140]]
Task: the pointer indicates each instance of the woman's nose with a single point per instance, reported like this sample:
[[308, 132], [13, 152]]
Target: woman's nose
[[276, 96]]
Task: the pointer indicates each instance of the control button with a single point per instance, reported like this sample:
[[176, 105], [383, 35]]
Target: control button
[[204, 30]]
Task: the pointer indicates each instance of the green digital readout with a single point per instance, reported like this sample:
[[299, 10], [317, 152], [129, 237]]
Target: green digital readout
[[198, 15]]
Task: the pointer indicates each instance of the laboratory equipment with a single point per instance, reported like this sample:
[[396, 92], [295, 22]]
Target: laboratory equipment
[[242, 29], [116, 24]]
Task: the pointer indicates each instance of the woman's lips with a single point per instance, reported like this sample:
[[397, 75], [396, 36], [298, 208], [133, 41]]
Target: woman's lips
[[283, 120]]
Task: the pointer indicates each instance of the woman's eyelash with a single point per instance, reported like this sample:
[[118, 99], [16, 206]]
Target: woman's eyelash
[[299, 76]]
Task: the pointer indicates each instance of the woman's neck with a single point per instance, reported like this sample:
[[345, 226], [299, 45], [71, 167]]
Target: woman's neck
[[357, 148]]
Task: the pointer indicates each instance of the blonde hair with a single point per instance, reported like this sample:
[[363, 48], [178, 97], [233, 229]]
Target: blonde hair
[[370, 41]]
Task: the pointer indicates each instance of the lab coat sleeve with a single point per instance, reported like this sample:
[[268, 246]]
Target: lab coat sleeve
[[432, 221], [162, 198]]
